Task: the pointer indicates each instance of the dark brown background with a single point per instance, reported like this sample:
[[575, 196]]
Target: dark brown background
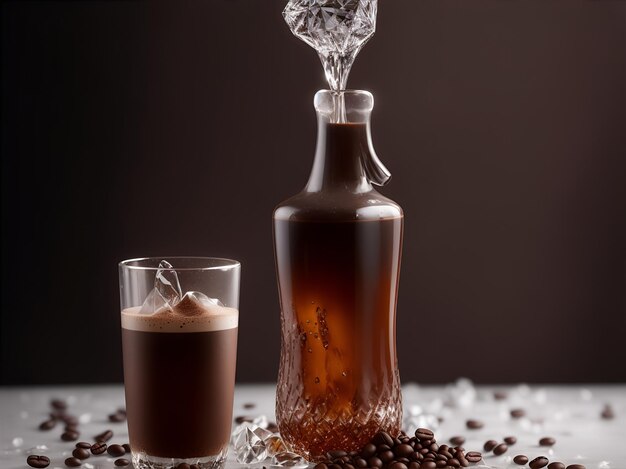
[[132, 129]]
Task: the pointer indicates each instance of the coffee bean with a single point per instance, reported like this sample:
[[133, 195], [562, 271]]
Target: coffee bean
[[70, 419], [38, 461], [125, 462], [517, 413], [457, 440], [243, 418], [414, 465], [575, 466], [117, 417], [520, 459], [71, 428], [80, 453], [182, 465], [368, 451], [397, 465], [195, 466], [607, 412], [104, 436], [321, 466], [500, 395], [70, 436], [334, 466], [126, 447], [474, 424], [58, 404], [429, 465], [424, 434], [473, 456], [556, 465], [538, 462], [98, 448], [382, 438], [385, 456], [249, 405], [441, 464], [382, 448], [500, 449], [445, 453], [490, 444], [336, 454], [510, 440], [374, 462], [83, 444], [360, 463], [47, 424], [404, 450], [547, 441], [116, 450], [73, 462]]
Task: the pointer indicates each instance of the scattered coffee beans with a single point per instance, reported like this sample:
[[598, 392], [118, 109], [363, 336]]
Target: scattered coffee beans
[[104, 436], [421, 433], [98, 448], [81, 453], [474, 424], [272, 427], [116, 451], [122, 462], [538, 462], [520, 459], [457, 440], [73, 462], [500, 449], [70, 435], [126, 447], [607, 412], [490, 445], [547, 441], [500, 395], [556, 465], [117, 417], [575, 466], [38, 461], [403, 452], [243, 418], [517, 413], [70, 420], [249, 405], [83, 444], [48, 424], [510, 440], [58, 404]]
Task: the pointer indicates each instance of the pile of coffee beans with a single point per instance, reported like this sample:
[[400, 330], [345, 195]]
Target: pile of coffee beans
[[83, 450], [403, 452]]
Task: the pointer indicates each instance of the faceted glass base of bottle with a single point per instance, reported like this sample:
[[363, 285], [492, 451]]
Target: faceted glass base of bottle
[[145, 461], [314, 429]]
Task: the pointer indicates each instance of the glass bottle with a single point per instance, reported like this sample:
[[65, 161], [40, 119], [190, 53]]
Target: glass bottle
[[338, 245]]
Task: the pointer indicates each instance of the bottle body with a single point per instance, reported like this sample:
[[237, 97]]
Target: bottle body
[[338, 248]]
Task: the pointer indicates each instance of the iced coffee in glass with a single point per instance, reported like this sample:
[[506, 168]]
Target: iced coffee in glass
[[179, 336]]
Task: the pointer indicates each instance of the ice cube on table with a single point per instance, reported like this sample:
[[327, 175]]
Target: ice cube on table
[[248, 445], [275, 444], [289, 459]]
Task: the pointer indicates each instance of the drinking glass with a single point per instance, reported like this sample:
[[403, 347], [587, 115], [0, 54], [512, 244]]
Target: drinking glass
[[179, 337]]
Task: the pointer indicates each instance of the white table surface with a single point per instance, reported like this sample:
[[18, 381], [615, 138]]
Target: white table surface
[[571, 414]]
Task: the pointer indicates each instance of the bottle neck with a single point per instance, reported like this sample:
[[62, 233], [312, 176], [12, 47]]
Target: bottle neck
[[339, 155]]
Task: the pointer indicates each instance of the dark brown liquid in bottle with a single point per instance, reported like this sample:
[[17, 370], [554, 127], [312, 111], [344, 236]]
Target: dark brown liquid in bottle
[[338, 259]]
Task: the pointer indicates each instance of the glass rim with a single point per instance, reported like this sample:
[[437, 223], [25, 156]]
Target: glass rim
[[226, 264]]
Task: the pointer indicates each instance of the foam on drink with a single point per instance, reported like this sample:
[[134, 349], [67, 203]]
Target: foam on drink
[[186, 316]]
